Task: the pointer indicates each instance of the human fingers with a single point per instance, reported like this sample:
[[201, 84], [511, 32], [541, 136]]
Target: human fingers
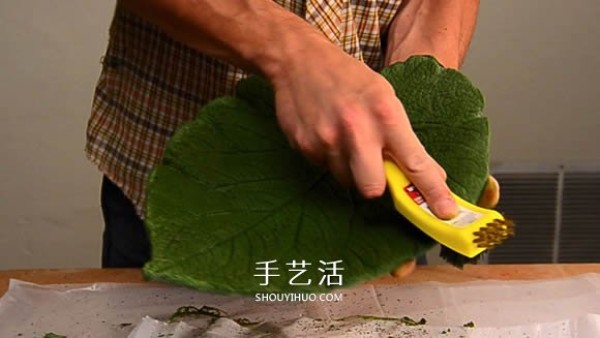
[[491, 194], [404, 148], [405, 269], [337, 163], [366, 165], [364, 142]]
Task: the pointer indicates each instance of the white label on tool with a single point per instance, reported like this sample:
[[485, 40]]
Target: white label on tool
[[464, 218]]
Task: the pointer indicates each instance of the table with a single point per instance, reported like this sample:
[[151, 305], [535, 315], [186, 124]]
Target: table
[[437, 273]]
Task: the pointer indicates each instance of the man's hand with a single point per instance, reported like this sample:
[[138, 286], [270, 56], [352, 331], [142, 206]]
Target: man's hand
[[489, 199], [333, 108], [343, 115]]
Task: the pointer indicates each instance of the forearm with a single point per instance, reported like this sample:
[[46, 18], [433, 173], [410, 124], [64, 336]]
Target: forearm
[[257, 35], [439, 28], [334, 109]]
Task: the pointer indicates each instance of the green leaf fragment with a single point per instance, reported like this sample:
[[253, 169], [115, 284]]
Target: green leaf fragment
[[411, 322], [469, 325], [53, 335], [408, 321], [191, 311], [230, 191]]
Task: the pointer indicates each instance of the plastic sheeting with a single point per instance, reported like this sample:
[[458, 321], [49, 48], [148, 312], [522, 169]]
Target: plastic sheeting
[[568, 307]]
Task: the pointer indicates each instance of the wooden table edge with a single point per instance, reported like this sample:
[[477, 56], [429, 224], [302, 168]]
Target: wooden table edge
[[436, 273]]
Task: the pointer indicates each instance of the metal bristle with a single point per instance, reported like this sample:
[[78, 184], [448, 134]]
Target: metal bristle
[[494, 233]]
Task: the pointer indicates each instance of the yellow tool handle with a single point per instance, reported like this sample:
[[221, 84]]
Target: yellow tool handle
[[472, 231]]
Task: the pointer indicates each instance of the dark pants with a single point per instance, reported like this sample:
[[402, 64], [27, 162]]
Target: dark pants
[[125, 242]]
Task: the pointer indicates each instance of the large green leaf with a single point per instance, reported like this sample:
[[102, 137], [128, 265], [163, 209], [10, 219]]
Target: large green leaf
[[231, 192]]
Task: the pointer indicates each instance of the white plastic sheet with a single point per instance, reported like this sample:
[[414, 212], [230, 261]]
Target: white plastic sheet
[[567, 307]]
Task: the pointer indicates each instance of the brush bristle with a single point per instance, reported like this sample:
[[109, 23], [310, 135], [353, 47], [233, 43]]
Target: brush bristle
[[494, 233], [488, 236], [456, 259]]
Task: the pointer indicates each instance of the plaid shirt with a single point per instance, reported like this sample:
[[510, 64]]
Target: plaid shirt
[[151, 84]]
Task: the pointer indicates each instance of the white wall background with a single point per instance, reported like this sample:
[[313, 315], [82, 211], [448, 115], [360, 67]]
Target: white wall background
[[537, 62], [538, 65], [49, 63]]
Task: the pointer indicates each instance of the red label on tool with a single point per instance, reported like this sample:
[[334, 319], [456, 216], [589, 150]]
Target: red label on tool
[[413, 193]]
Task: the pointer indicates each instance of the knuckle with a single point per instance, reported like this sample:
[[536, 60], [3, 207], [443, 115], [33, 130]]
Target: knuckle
[[418, 163], [349, 120], [328, 137], [305, 146], [442, 172], [386, 113], [428, 176], [300, 140]]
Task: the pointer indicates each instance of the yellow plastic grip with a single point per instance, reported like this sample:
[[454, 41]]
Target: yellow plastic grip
[[471, 232]]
